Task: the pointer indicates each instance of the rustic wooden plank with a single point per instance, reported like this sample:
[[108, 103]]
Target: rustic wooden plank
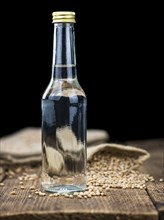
[[119, 204], [155, 167], [156, 193]]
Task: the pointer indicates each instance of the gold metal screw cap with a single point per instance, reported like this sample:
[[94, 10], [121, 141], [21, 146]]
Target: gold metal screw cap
[[63, 16]]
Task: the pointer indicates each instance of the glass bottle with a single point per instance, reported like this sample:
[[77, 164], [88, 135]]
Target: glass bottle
[[64, 115]]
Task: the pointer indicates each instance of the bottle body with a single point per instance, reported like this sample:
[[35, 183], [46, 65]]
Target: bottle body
[[64, 106], [64, 141]]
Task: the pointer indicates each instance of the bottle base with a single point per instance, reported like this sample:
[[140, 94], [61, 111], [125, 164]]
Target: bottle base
[[61, 189], [61, 185]]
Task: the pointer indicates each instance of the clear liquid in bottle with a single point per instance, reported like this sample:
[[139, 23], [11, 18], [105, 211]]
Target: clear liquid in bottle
[[63, 142]]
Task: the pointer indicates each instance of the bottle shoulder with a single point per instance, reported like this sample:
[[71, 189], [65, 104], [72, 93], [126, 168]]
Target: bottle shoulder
[[63, 87]]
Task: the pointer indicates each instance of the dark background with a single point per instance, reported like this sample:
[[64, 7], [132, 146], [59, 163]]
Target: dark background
[[119, 59]]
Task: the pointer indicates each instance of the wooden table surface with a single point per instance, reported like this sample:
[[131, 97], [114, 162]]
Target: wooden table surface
[[119, 204]]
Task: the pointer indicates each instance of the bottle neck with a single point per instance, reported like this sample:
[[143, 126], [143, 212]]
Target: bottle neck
[[64, 57]]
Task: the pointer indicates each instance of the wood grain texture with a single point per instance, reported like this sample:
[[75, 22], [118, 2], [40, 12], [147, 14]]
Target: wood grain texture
[[119, 204], [156, 192], [155, 167]]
